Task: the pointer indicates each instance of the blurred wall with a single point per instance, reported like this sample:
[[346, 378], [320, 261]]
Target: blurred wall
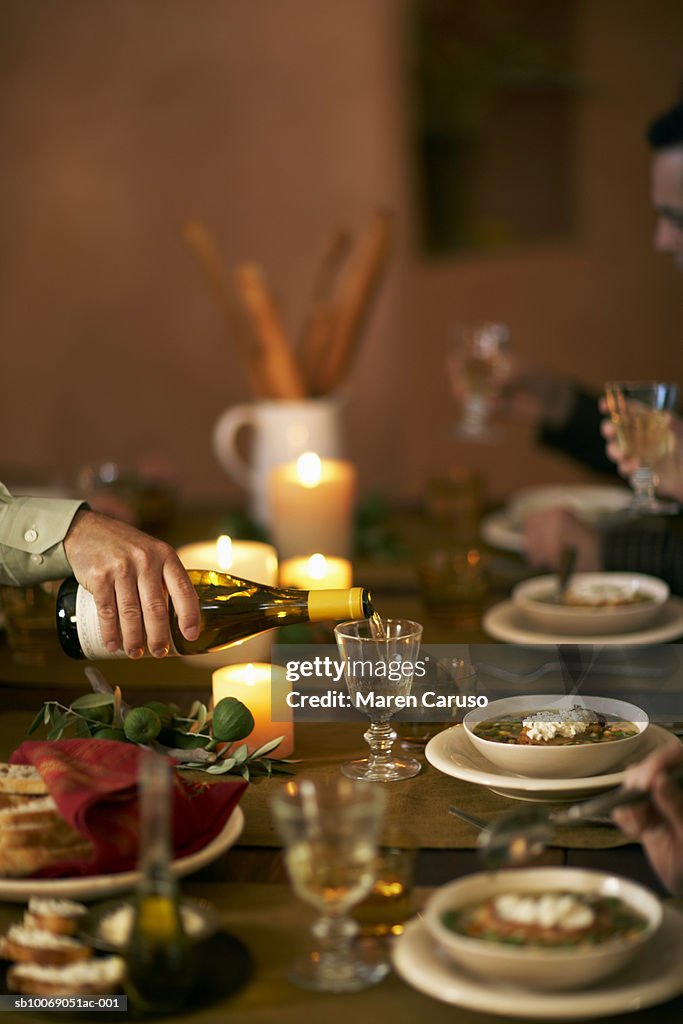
[[277, 121]]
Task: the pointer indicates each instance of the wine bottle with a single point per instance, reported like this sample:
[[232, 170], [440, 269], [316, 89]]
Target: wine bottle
[[231, 609], [161, 967]]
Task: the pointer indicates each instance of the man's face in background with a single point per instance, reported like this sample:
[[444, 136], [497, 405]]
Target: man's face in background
[[667, 199]]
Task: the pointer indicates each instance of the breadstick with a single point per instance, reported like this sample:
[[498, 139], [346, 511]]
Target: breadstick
[[356, 288], [203, 245], [274, 359]]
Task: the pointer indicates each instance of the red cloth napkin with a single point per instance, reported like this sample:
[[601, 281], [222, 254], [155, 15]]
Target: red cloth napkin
[[94, 784]]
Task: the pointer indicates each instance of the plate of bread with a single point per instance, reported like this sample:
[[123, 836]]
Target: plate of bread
[[47, 957], [34, 836]]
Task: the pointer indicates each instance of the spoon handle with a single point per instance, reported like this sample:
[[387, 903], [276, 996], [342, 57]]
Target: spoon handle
[[607, 802]]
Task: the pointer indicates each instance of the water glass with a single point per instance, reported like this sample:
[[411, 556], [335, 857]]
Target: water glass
[[330, 828], [479, 364]]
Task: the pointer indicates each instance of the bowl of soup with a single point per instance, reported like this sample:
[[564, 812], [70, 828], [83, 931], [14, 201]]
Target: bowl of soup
[[551, 736], [594, 603], [543, 928]]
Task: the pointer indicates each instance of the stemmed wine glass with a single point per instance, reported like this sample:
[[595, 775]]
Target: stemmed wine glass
[[331, 829], [640, 413], [478, 365], [379, 664]]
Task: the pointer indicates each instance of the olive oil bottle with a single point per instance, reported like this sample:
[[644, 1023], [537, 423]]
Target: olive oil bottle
[[231, 609], [161, 967]]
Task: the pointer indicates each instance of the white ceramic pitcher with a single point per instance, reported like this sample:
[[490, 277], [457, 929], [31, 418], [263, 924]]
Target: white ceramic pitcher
[[281, 431]]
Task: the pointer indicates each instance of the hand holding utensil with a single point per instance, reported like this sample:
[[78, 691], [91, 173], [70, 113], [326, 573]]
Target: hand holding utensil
[[517, 835]]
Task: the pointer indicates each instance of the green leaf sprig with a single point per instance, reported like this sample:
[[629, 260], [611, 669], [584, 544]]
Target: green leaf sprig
[[202, 740]]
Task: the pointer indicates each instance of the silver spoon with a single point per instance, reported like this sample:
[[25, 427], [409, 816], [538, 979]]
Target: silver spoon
[[518, 835]]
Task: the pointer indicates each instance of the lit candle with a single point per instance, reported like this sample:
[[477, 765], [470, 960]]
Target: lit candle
[[311, 502], [248, 560], [316, 573], [263, 688]]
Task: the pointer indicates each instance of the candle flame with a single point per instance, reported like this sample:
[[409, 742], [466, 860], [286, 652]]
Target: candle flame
[[250, 675], [309, 469], [224, 552], [317, 567]]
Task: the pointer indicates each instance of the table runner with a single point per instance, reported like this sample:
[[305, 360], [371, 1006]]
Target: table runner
[[418, 807]]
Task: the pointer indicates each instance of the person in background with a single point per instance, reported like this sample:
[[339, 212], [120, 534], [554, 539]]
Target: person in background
[[130, 574], [570, 418], [658, 824]]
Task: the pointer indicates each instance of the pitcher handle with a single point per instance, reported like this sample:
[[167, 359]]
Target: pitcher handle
[[225, 442]]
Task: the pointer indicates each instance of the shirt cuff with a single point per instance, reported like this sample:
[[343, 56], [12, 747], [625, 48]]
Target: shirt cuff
[[33, 532]]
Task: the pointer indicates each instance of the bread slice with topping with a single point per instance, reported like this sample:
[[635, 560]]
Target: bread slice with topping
[[29, 945], [21, 778], [100, 976], [61, 917], [55, 833], [17, 862], [35, 809]]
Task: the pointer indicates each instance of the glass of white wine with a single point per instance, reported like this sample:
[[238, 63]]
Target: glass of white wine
[[331, 828], [479, 363], [380, 658], [640, 413]]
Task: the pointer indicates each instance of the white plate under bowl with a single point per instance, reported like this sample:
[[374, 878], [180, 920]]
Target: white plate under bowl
[[593, 504], [452, 753], [504, 621], [652, 979], [537, 600], [95, 887]]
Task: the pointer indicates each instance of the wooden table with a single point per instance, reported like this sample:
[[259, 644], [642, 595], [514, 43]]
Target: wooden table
[[246, 884], [274, 924]]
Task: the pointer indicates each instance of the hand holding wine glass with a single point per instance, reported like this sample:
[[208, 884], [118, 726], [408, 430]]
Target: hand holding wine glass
[[668, 471], [478, 365], [640, 412], [331, 829]]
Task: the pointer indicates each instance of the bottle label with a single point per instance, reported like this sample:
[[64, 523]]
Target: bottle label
[[88, 625], [90, 634]]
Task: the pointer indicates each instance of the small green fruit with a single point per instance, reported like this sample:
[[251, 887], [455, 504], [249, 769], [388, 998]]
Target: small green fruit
[[141, 725], [105, 733], [164, 711], [232, 720]]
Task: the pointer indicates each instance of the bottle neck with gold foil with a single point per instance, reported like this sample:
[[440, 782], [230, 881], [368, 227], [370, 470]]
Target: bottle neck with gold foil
[[355, 603]]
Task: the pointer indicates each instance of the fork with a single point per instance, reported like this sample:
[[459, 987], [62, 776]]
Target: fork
[[481, 823]]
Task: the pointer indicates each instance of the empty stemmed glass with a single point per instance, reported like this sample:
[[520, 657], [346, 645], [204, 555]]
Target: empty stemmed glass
[[379, 664], [640, 413], [331, 829], [478, 365]]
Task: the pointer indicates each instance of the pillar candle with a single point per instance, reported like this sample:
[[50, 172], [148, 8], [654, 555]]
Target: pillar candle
[[311, 502], [248, 559], [261, 687], [316, 572]]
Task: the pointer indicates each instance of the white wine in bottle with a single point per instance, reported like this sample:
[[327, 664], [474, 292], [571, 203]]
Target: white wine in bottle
[[231, 610]]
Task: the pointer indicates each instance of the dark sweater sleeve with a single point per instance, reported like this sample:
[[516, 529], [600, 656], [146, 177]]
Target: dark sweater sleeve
[[580, 435], [653, 545]]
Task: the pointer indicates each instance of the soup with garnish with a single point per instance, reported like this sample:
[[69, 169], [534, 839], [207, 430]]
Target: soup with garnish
[[557, 727], [551, 919]]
